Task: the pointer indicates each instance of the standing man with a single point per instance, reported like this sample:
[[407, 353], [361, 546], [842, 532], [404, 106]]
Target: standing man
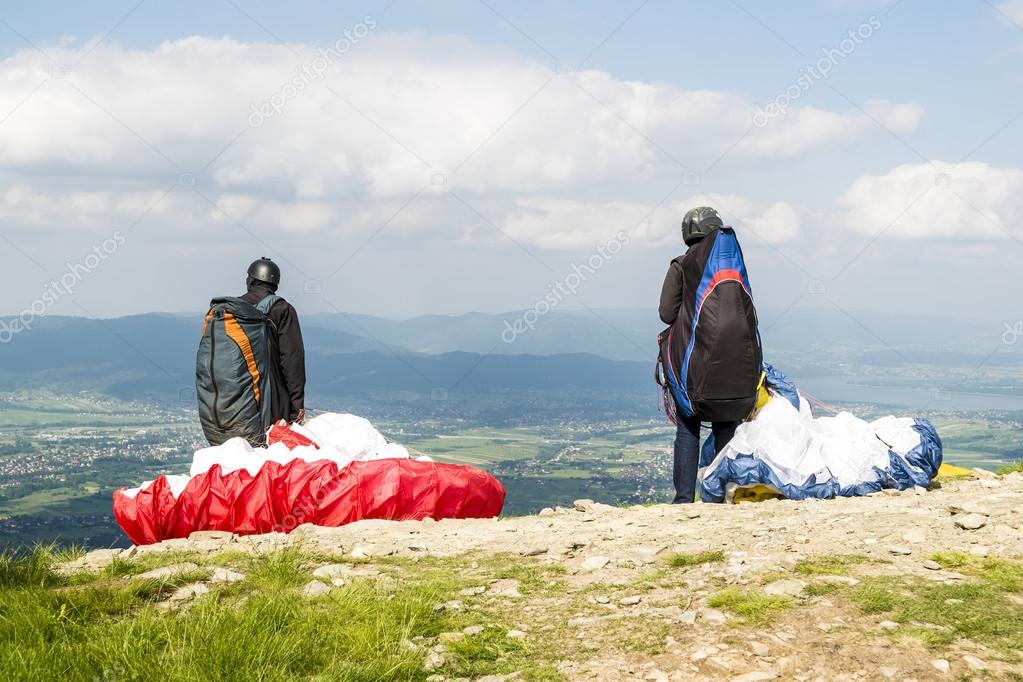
[[288, 373], [711, 354]]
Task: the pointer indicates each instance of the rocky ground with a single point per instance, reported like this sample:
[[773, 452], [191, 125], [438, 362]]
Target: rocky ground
[[922, 584]]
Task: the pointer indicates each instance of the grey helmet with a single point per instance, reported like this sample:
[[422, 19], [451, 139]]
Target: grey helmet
[[698, 223], [265, 270]]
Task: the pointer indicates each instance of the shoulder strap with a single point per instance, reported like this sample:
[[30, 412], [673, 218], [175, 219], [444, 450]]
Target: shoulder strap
[[267, 303]]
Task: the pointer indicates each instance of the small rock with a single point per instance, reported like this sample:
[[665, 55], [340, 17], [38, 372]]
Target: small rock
[[888, 625], [900, 550], [760, 649], [602, 599], [630, 601], [332, 571], [434, 660], [692, 513], [188, 593], [932, 565], [472, 591], [533, 551], [594, 563], [338, 582], [224, 575], [785, 588], [756, 676], [970, 521], [315, 589], [974, 662], [453, 605], [516, 634], [655, 675], [979, 550], [214, 535], [167, 572], [547, 511], [888, 672], [713, 616], [473, 630], [941, 665], [505, 588], [100, 558]]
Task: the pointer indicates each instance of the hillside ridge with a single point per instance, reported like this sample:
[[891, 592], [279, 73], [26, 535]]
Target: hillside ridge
[[852, 588]]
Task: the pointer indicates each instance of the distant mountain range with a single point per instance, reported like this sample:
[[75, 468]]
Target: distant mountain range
[[153, 355]]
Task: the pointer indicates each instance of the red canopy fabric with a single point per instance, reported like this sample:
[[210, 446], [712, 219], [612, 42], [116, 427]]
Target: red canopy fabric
[[281, 497]]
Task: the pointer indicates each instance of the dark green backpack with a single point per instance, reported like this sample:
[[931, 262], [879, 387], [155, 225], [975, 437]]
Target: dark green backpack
[[235, 369]]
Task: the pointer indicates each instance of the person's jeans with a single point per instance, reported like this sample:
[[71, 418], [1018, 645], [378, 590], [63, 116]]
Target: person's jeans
[[687, 453]]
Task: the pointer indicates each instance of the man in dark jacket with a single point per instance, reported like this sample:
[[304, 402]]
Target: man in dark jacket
[[264, 276], [697, 224]]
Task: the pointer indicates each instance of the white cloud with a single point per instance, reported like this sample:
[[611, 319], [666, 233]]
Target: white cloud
[[939, 199], [567, 224], [424, 105]]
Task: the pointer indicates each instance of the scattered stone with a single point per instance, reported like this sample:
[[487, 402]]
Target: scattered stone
[[338, 582], [941, 665], [888, 625], [505, 588], [472, 591], [99, 558], [655, 675], [332, 571], [630, 601], [167, 572], [516, 634], [785, 588], [756, 676], [970, 521], [547, 511], [840, 579], [188, 593], [214, 535], [453, 605], [692, 514], [888, 672], [932, 565], [594, 563], [225, 575], [473, 630], [974, 662], [602, 599], [713, 616], [900, 550], [979, 551], [315, 589], [533, 551], [760, 649], [434, 660]]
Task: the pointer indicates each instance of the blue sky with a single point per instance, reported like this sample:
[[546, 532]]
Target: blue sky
[[895, 183]]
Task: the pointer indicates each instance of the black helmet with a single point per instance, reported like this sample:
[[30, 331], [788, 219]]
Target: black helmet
[[698, 223], [265, 270]]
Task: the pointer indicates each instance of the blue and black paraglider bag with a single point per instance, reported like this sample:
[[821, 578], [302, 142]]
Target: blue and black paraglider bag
[[710, 359]]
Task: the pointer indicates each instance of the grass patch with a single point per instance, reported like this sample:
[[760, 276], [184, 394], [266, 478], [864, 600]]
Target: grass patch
[[838, 564], [822, 589], [1015, 467], [54, 628], [752, 606], [683, 560], [979, 610]]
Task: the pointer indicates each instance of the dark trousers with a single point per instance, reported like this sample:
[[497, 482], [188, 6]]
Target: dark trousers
[[687, 453]]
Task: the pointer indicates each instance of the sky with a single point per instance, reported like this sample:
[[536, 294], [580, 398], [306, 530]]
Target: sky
[[403, 157]]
